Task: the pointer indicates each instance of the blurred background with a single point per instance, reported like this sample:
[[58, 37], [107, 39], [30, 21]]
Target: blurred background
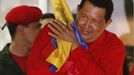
[[122, 25]]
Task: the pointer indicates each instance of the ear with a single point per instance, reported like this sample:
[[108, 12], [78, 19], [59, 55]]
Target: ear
[[20, 29], [108, 22]]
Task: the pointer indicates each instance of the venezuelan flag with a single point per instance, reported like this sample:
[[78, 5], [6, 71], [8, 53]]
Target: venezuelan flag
[[59, 56]]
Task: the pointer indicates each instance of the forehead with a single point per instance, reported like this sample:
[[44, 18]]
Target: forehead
[[90, 9]]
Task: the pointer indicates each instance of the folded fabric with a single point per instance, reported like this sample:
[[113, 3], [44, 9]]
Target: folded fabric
[[59, 55]]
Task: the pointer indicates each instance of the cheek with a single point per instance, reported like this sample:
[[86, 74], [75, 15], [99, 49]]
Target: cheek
[[98, 32], [32, 34], [80, 22], [97, 28], [80, 25], [31, 37]]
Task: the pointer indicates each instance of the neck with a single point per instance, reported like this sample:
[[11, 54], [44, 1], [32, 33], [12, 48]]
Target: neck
[[19, 48]]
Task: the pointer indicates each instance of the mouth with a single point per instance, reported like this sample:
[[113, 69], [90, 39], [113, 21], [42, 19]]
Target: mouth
[[85, 32]]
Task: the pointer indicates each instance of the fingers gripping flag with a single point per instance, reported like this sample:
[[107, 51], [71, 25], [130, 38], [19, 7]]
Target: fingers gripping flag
[[59, 56]]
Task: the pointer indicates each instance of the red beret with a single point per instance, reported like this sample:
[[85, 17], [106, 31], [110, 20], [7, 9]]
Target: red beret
[[24, 15]]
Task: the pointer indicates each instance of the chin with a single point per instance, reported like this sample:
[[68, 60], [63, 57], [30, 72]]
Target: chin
[[86, 39]]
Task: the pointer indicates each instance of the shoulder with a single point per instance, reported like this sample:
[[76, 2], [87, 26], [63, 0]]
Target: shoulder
[[113, 42], [5, 56], [5, 50], [112, 38]]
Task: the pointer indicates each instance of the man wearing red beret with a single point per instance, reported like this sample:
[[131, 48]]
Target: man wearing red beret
[[23, 24]]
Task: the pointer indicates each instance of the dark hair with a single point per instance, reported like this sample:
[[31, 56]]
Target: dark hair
[[48, 15], [107, 4], [12, 29]]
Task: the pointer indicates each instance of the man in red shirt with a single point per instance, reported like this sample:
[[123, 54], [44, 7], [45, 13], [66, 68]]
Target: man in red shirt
[[104, 55]]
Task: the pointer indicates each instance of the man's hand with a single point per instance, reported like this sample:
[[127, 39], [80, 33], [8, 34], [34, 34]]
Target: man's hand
[[63, 32]]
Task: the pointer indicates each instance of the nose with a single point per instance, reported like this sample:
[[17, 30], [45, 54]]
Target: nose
[[88, 23]]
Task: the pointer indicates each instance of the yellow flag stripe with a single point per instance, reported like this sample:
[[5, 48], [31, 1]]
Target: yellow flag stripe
[[59, 56]]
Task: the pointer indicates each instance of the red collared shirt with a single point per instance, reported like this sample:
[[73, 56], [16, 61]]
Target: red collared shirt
[[105, 56]]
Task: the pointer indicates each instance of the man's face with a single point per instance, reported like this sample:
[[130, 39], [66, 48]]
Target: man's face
[[91, 22], [31, 32]]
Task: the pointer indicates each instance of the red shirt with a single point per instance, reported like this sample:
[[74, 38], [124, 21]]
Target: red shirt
[[105, 56], [21, 61]]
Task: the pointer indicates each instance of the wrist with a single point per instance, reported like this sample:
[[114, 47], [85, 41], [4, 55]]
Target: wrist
[[74, 46]]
